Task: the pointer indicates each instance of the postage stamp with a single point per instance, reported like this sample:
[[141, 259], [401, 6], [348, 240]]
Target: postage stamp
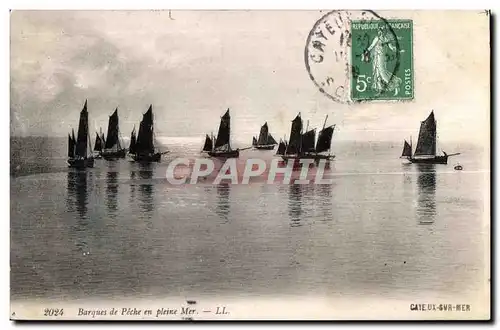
[[382, 60], [354, 56]]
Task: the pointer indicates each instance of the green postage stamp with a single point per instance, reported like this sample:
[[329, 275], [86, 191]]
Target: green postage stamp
[[382, 60]]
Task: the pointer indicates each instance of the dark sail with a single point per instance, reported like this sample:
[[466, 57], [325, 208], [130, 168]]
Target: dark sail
[[112, 134], [131, 148], [264, 132], [71, 146], [254, 141], [208, 144], [295, 144], [83, 131], [308, 141], [271, 140], [281, 148], [144, 142], [223, 135], [406, 150], [101, 136], [426, 145], [324, 139], [98, 143]]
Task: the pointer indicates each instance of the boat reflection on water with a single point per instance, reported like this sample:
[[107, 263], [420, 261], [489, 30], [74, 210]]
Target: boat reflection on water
[[133, 176], [146, 188], [223, 205], [112, 192], [426, 181], [325, 199], [295, 204], [78, 193], [77, 190]]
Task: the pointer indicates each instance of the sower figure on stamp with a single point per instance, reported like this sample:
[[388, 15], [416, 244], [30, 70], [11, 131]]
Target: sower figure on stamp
[[383, 79]]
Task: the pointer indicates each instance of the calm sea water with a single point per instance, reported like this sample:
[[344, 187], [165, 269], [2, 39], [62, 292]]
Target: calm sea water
[[119, 230]]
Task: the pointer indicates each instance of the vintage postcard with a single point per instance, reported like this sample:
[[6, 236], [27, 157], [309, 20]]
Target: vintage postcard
[[250, 165]]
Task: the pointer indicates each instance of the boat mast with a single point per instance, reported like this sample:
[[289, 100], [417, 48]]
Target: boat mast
[[90, 141], [118, 143], [299, 147], [411, 146], [324, 124], [229, 132], [267, 137], [435, 137]]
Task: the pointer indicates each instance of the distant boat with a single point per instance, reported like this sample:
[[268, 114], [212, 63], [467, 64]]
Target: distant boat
[[301, 145], [80, 149], [112, 147], [458, 167], [281, 147], [265, 140], [208, 146], [294, 148], [133, 141], [98, 145], [222, 146], [323, 144], [144, 147], [425, 152]]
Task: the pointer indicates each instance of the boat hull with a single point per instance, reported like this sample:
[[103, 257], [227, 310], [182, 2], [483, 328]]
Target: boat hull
[[147, 158], [225, 154], [111, 155], [315, 157], [434, 160], [268, 147], [81, 162]]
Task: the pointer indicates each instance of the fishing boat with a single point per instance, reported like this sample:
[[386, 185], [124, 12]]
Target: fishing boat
[[281, 147], [265, 140], [98, 145], [294, 147], [425, 152], [133, 142], [222, 146], [208, 145], [323, 144], [80, 149], [113, 147], [144, 149]]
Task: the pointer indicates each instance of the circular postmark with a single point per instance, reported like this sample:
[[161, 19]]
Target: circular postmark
[[353, 56]]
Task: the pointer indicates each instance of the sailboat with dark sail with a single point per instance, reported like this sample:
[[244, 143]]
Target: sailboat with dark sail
[[222, 146], [133, 142], [113, 148], [302, 145], [426, 151], [323, 144], [144, 148], [265, 140], [98, 145], [294, 148], [208, 145], [80, 149], [281, 147]]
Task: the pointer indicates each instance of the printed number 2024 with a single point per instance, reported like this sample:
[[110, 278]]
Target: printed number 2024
[[53, 312]]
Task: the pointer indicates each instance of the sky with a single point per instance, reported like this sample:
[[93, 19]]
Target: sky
[[194, 65]]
